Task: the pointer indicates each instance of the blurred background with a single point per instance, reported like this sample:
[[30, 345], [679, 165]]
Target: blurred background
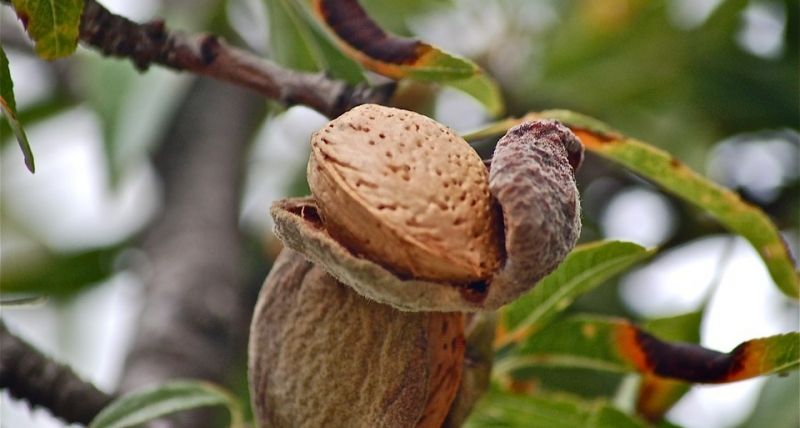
[[135, 169]]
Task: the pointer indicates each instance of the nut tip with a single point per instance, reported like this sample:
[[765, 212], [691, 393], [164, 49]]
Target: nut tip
[[554, 131]]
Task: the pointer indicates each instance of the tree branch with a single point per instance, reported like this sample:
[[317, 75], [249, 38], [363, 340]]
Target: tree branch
[[208, 55], [195, 318], [31, 376]]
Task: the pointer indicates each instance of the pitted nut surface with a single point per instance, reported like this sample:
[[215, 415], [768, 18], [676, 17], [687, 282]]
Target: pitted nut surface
[[379, 219], [399, 188]]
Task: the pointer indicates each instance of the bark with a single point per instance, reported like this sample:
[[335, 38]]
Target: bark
[[196, 312], [29, 375]]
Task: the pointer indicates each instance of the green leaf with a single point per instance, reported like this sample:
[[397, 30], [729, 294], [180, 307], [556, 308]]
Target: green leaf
[[586, 267], [297, 41], [500, 409], [139, 407], [52, 24], [6, 84], [59, 274], [484, 89], [8, 105], [613, 344], [683, 327], [674, 176], [777, 405], [363, 40]]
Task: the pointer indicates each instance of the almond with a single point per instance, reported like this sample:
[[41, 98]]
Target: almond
[[323, 356], [401, 189], [533, 179], [536, 207]]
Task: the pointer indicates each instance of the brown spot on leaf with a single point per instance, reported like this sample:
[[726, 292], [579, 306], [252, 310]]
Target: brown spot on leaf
[[593, 139], [678, 360], [23, 17], [352, 24]]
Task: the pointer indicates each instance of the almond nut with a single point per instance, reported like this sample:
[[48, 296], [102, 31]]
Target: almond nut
[[532, 178], [398, 188], [532, 182], [322, 355]]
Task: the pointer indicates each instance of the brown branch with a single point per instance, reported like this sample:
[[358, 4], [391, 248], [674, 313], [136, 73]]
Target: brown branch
[[208, 55], [29, 375]]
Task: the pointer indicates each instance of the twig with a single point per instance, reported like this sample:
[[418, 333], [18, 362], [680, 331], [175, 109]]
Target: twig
[[37, 379], [208, 55]]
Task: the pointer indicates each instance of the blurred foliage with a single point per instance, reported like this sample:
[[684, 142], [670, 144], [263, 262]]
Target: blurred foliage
[[138, 407], [60, 274], [777, 404], [681, 88], [499, 409], [682, 82]]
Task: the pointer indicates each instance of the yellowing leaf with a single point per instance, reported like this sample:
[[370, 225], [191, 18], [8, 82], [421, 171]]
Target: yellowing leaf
[[52, 24], [297, 41], [365, 41], [675, 177]]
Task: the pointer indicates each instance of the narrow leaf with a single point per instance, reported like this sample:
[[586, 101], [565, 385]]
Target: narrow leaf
[[500, 409], [299, 42], [52, 24], [616, 345], [362, 39], [675, 177], [139, 407], [8, 106], [585, 268]]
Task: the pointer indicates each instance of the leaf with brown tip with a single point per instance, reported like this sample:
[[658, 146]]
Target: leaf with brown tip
[[362, 39], [614, 344], [675, 177]]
